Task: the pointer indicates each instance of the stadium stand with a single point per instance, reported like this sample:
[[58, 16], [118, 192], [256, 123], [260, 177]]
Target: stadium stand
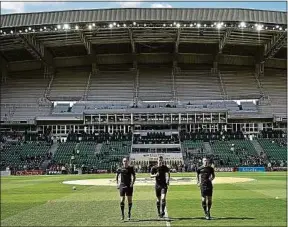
[[275, 149], [201, 85], [27, 155], [112, 86], [89, 88], [69, 83], [240, 83], [274, 83], [155, 84]]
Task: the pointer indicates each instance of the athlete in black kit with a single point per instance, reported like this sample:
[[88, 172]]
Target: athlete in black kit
[[205, 176], [159, 172], [125, 187]]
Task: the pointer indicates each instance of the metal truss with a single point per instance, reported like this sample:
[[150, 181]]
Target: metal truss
[[36, 49], [274, 45], [224, 39]]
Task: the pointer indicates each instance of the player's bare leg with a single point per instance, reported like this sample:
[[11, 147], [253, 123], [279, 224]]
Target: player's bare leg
[[158, 205], [163, 203], [204, 206], [122, 205], [129, 198], [209, 206]]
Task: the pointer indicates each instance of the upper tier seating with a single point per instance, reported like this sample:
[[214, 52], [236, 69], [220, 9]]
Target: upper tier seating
[[155, 84], [274, 83], [240, 83], [69, 82], [197, 85], [23, 87], [112, 86]]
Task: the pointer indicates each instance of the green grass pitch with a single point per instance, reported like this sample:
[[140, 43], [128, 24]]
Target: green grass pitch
[[45, 201]]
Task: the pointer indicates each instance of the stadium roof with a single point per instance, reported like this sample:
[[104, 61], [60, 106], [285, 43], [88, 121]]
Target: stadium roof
[[117, 37], [142, 14]]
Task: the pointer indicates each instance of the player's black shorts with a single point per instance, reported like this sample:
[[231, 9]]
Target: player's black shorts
[[160, 189], [125, 190], [206, 190]]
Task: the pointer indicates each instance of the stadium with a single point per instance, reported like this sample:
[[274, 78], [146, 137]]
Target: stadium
[[83, 89]]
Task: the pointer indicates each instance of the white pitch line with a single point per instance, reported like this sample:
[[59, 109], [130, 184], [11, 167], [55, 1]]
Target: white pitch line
[[166, 216]]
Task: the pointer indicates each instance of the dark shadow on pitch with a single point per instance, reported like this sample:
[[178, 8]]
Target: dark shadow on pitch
[[149, 220], [212, 218], [232, 218]]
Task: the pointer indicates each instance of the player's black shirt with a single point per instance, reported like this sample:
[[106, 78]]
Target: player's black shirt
[[162, 170], [126, 175], [205, 173]]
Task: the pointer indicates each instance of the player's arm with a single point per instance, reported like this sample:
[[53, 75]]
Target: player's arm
[[117, 176], [133, 176], [212, 174], [154, 173], [168, 173], [198, 177]]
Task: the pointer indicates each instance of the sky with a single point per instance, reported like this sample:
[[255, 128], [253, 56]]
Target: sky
[[13, 6]]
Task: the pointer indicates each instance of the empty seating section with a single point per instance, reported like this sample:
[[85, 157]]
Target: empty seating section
[[240, 83], [223, 150], [197, 85], [78, 108], [232, 106], [111, 86], [86, 153], [69, 83], [23, 113], [22, 92], [110, 154], [274, 83], [64, 152], [156, 138], [192, 145], [248, 106], [275, 149], [61, 108], [18, 154], [155, 84], [116, 148], [23, 88]]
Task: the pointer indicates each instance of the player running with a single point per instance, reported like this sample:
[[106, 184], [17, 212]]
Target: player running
[[125, 187], [159, 172], [205, 176]]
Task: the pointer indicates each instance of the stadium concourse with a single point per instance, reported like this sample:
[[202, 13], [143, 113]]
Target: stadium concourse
[[82, 89]]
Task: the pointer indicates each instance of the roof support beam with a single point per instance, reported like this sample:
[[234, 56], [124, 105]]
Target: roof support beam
[[134, 54], [221, 44], [132, 40], [274, 45], [90, 51], [37, 49], [86, 42], [176, 49], [224, 39], [177, 41]]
